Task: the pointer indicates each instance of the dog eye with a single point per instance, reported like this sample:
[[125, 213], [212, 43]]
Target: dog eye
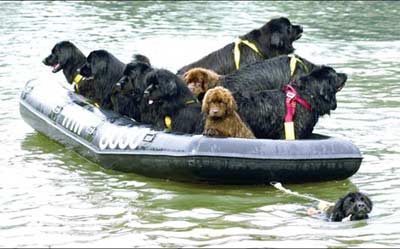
[[362, 199], [352, 200]]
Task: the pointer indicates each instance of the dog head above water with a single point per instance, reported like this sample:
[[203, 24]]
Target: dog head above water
[[321, 85], [62, 53], [355, 204], [218, 103], [276, 36]]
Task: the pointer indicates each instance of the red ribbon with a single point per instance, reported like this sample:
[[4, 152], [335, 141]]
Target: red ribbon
[[291, 101]]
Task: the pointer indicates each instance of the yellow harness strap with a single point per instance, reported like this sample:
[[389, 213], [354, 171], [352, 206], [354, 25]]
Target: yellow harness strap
[[168, 122], [76, 80], [192, 101], [236, 50], [293, 63]]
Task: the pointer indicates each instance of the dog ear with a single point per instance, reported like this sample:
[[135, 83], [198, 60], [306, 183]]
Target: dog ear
[[337, 213], [212, 79], [205, 107], [367, 200], [231, 104], [169, 88], [276, 40], [185, 77]]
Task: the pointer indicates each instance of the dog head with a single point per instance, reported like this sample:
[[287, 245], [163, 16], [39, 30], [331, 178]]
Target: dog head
[[161, 85], [96, 64], [61, 54], [321, 85], [276, 36], [218, 103], [132, 83], [199, 80], [355, 204]]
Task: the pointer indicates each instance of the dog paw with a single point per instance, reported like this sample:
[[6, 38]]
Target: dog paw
[[211, 133]]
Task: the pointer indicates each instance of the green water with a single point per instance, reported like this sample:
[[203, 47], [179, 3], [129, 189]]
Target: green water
[[52, 197]]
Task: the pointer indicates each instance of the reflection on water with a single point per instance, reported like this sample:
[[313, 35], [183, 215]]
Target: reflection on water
[[50, 196]]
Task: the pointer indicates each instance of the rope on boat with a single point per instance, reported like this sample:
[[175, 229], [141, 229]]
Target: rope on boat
[[322, 204]]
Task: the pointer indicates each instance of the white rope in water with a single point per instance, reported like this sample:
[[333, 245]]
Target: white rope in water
[[322, 204]]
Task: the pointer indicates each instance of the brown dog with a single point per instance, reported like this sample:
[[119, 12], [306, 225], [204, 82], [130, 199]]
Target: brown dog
[[222, 119], [199, 80]]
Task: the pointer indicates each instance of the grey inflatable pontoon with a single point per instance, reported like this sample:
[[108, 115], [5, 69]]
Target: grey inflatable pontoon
[[120, 143]]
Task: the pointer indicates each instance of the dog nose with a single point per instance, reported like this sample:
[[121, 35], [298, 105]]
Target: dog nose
[[214, 110]]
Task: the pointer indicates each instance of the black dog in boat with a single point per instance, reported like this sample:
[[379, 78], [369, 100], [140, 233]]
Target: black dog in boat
[[127, 93], [67, 57], [171, 105], [105, 70], [274, 38], [265, 111]]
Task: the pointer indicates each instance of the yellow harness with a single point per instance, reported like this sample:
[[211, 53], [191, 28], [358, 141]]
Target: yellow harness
[[168, 120], [77, 79], [293, 62], [168, 123], [289, 126], [236, 50]]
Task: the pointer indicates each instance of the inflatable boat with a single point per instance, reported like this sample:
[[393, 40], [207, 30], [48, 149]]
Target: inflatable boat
[[119, 143]]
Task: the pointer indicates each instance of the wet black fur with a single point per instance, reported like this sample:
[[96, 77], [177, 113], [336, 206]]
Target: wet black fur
[[356, 205], [265, 111], [170, 95], [70, 59], [106, 70], [273, 39], [265, 75]]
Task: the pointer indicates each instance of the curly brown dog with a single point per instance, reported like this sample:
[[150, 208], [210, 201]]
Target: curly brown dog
[[222, 120]]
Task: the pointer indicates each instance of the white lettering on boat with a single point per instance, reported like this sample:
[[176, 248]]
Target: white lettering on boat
[[122, 138], [74, 122]]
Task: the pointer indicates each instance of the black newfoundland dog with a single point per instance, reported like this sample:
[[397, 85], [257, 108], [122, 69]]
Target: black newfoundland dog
[[67, 57], [355, 205], [127, 93], [264, 75], [105, 70], [265, 111], [170, 104], [273, 39]]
